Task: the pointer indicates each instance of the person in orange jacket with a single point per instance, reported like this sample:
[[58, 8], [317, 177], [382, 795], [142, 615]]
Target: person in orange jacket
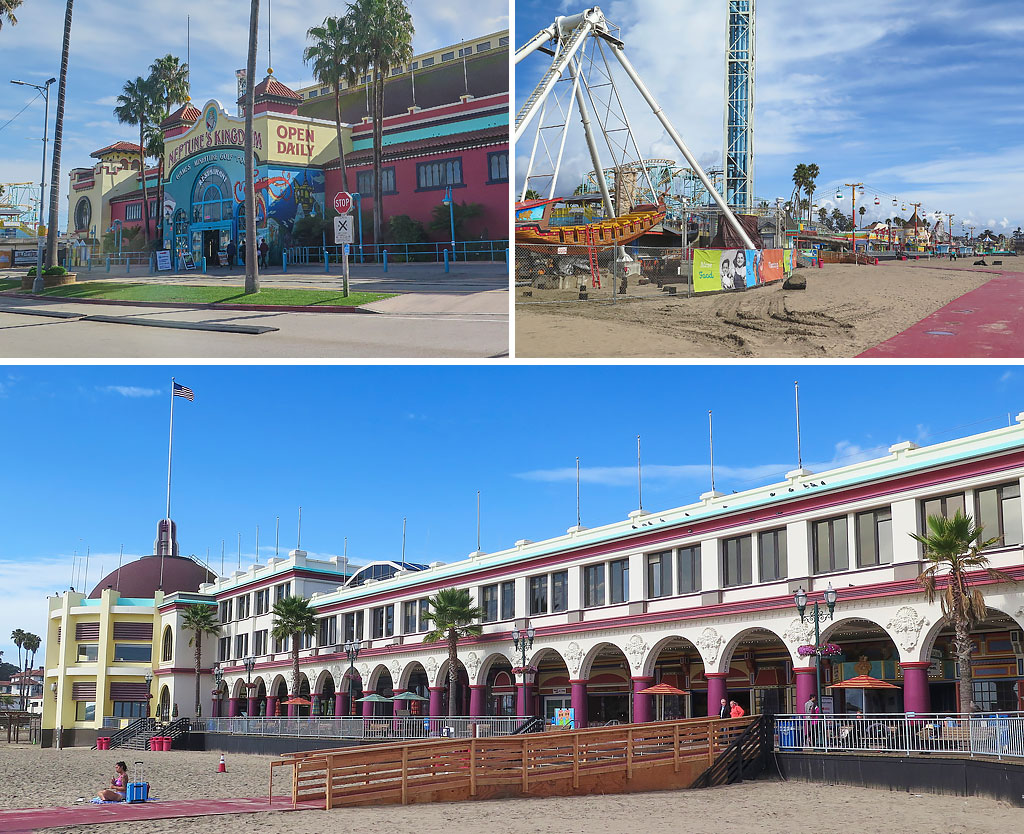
[[736, 711]]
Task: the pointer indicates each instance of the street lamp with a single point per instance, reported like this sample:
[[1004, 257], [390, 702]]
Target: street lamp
[[522, 640], [218, 679], [149, 694], [37, 283], [352, 649], [249, 663], [800, 598], [451, 214], [118, 232]]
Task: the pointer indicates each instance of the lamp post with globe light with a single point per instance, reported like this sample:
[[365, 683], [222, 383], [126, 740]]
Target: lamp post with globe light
[[800, 599]]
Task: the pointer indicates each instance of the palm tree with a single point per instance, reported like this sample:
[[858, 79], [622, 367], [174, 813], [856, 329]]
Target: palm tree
[[18, 638], [58, 140], [252, 271], [329, 54], [952, 547], [134, 106], [380, 36], [799, 180], [452, 612], [200, 620], [169, 81], [861, 212], [31, 642], [293, 620], [809, 186], [7, 8], [155, 149]]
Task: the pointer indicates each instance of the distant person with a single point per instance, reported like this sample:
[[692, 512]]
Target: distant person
[[735, 710], [723, 710], [230, 250], [264, 249], [118, 785], [811, 705]]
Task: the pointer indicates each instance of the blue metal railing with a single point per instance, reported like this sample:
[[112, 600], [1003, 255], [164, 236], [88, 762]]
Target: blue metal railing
[[470, 250]]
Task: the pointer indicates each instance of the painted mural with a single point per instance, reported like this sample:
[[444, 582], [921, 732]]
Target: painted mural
[[717, 270]]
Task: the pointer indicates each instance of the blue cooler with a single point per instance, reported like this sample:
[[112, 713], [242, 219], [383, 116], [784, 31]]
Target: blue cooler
[[137, 790], [787, 735]]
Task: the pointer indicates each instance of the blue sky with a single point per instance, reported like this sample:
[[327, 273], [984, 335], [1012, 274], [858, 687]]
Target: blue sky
[[922, 101], [359, 448], [117, 40]]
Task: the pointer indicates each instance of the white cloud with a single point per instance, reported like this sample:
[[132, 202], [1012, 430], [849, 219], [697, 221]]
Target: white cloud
[[129, 391]]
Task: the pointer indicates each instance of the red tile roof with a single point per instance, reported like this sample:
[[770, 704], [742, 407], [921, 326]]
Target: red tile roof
[[188, 113], [270, 87], [127, 147], [489, 135]]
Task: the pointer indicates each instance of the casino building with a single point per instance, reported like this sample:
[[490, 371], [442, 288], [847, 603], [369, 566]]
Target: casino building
[[700, 596], [445, 124]]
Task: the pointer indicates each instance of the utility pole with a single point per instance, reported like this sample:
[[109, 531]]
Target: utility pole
[[916, 207], [853, 186]]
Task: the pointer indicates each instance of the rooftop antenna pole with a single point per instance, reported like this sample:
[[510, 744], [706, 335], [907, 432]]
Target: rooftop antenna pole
[[222, 557], [74, 567], [298, 537], [208, 559], [478, 521], [277, 536], [85, 582], [577, 490], [188, 46], [639, 478], [403, 543], [117, 580], [270, 60], [799, 454], [711, 448], [465, 75]]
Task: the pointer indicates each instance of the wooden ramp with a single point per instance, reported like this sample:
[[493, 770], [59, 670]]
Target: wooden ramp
[[620, 759]]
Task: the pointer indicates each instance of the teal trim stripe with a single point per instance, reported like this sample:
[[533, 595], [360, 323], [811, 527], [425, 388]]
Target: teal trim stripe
[[432, 132]]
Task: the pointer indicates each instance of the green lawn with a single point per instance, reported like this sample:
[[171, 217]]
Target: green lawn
[[174, 293], [7, 284]]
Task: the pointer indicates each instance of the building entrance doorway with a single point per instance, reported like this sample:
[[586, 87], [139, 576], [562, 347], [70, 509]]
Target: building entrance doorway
[[215, 241]]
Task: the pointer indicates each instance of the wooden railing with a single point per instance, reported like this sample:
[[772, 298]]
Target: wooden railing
[[664, 754]]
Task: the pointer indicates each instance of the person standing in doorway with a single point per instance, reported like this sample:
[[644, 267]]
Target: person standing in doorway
[[264, 249], [723, 709], [230, 250]]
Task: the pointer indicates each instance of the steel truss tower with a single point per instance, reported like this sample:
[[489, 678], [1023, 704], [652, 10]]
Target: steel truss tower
[[738, 155]]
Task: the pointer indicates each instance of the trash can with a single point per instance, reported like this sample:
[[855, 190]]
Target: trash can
[[788, 735], [103, 743]]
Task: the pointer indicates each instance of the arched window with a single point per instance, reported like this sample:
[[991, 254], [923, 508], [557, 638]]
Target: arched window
[[168, 644], [211, 196]]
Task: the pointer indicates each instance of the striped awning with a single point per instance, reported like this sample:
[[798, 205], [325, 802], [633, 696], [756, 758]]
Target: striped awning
[[83, 691], [87, 631], [133, 631], [128, 691]]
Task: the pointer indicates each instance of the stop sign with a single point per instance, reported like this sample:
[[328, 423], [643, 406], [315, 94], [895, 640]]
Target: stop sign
[[343, 202]]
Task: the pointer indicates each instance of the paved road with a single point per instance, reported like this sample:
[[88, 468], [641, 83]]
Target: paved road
[[440, 330]]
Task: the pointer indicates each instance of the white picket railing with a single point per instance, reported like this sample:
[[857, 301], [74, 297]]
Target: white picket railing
[[398, 727], [1000, 735]]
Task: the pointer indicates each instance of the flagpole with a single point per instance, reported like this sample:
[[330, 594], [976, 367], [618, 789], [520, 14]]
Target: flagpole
[[577, 490], [170, 444], [639, 476], [711, 450], [799, 454]]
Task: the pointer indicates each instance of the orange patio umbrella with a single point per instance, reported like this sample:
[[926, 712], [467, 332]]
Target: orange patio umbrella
[[661, 689], [299, 702], [863, 682]]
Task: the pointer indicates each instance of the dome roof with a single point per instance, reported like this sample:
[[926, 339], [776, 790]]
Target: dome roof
[[141, 579]]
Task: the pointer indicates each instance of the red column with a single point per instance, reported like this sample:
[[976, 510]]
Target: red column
[[368, 708], [806, 686], [253, 706], [524, 698], [579, 702], [717, 690], [216, 707], [232, 707], [643, 705], [339, 703], [271, 706], [436, 703], [916, 697], [477, 696], [292, 708]]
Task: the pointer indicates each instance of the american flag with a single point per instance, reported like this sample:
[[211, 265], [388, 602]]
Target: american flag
[[182, 391]]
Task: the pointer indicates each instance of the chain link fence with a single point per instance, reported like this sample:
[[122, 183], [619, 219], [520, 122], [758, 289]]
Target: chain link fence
[[561, 274]]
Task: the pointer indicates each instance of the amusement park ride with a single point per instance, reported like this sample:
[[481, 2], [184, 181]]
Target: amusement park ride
[[632, 194], [18, 215]]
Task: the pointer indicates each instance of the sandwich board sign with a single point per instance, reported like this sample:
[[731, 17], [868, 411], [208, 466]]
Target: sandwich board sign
[[343, 229], [163, 260]]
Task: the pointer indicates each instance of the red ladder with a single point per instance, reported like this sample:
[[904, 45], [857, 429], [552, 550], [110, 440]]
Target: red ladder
[[595, 270]]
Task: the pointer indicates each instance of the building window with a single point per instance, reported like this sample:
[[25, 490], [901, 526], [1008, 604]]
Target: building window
[[771, 555], [353, 625], [364, 182], [242, 607], [489, 603], [241, 645], [85, 710], [383, 622], [538, 595], [410, 619], [508, 600], [168, 644], [483, 47], [133, 211], [559, 591], [428, 62], [414, 65], [946, 506], [282, 645], [688, 569], [618, 581], [396, 70], [424, 607], [874, 538], [497, 166], [465, 50], [503, 40], [736, 561], [133, 653], [225, 611], [593, 586], [224, 649], [328, 635], [262, 601], [659, 574], [831, 545], [154, 210], [995, 696], [88, 652], [434, 175], [259, 643], [447, 56], [282, 591], [129, 709], [999, 515]]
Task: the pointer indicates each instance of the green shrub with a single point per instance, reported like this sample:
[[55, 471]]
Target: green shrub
[[55, 270], [31, 272]]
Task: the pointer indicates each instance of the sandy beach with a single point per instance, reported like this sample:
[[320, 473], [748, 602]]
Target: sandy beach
[[31, 777], [844, 310]]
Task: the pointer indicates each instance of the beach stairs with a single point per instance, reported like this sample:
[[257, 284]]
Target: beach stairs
[[136, 736], [747, 757]]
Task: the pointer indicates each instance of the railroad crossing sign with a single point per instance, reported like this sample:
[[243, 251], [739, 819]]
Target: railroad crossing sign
[[342, 228], [343, 202]]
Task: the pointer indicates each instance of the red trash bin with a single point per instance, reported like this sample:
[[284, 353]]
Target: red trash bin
[[103, 743], [165, 743]]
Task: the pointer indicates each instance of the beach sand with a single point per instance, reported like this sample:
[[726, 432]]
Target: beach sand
[[844, 310], [43, 777]]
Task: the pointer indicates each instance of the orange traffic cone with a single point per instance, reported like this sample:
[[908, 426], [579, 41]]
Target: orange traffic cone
[[222, 768]]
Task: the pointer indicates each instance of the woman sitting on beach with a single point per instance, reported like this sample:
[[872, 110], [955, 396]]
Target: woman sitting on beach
[[118, 785]]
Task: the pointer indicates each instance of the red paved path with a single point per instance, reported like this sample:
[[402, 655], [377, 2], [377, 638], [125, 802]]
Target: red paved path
[[31, 819], [985, 322]]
